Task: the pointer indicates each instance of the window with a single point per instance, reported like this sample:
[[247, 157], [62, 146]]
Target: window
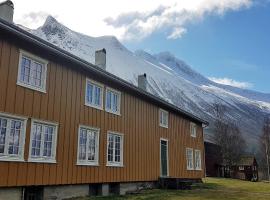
[[12, 137], [114, 149], [198, 160], [94, 94], [163, 118], [43, 141], [189, 156], [241, 168], [32, 72], [193, 129], [113, 99], [88, 144]]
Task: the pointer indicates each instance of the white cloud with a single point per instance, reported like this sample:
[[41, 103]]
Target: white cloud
[[128, 20], [231, 82], [177, 33]]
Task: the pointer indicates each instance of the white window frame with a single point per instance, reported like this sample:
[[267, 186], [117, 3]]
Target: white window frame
[[113, 163], [241, 168], [95, 84], [166, 140], [193, 129], [200, 161], [189, 168], [41, 158], [119, 102], [88, 162], [20, 156], [161, 115], [42, 61]]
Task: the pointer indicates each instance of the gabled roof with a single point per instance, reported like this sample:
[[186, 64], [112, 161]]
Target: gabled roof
[[25, 36], [246, 160]]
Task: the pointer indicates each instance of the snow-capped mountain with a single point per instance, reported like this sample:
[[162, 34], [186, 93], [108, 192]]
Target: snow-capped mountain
[[168, 77]]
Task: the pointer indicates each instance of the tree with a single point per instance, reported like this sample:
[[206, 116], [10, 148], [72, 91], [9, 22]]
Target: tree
[[265, 139], [227, 136]]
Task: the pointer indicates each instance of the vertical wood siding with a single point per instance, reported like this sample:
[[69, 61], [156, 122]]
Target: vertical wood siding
[[64, 103]]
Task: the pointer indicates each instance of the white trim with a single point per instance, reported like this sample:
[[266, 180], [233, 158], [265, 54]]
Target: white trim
[[44, 74], [167, 141], [20, 156], [197, 150], [86, 162], [189, 168], [113, 163], [43, 159], [192, 127], [101, 93], [119, 102], [160, 111]]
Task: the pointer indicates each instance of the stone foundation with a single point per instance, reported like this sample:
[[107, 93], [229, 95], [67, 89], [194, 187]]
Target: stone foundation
[[11, 193]]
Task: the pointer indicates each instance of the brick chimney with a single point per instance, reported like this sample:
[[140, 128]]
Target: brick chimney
[[142, 82], [6, 11], [100, 58]]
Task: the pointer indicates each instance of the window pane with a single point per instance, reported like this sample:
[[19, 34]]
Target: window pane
[[89, 94], [48, 140], [3, 131], [82, 147], [110, 148], [14, 137], [97, 96], [108, 99], [25, 70], [91, 145], [36, 140]]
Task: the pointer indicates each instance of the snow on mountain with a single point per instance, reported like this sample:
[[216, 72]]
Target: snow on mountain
[[168, 77]]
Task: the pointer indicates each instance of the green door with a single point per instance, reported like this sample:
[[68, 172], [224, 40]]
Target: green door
[[164, 157]]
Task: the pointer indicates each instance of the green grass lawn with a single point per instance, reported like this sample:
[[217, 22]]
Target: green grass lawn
[[213, 188]]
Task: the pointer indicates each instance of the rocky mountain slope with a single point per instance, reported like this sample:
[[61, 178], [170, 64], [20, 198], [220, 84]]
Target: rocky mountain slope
[[169, 78]]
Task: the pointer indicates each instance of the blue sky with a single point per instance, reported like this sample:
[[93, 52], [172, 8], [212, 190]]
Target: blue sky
[[226, 40], [235, 46]]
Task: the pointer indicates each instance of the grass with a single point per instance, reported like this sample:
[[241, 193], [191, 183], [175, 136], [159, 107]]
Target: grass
[[212, 188]]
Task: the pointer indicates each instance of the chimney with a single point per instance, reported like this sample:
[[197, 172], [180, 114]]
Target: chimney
[[6, 11], [142, 82], [100, 58]]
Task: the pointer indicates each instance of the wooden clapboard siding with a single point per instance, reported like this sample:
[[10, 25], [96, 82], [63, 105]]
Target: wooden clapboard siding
[[63, 103]]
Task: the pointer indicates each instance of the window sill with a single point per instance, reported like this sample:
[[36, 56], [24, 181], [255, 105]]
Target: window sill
[[114, 165], [198, 169], [87, 164], [41, 160], [11, 159], [43, 90], [194, 136], [93, 106], [190, 169], [115, 113], [163, 126]]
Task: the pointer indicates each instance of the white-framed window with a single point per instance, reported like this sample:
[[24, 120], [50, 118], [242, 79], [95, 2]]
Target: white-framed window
[[94, 94], [113, 101], [241, 168], [43, 141], [163, 118], [198, 160], [114, 149], [88, 145], [32, 72], [12, 137], [189, 157], [193, 129]]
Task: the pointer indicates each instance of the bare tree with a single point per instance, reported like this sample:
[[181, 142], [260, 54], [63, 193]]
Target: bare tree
[[227, 136], [265, 139]]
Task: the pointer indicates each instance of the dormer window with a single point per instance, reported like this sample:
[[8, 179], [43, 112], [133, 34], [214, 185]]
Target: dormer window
[[163, 118], [32, 72]]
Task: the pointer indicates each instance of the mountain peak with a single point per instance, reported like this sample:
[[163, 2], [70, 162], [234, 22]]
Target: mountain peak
[[50, 20]]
